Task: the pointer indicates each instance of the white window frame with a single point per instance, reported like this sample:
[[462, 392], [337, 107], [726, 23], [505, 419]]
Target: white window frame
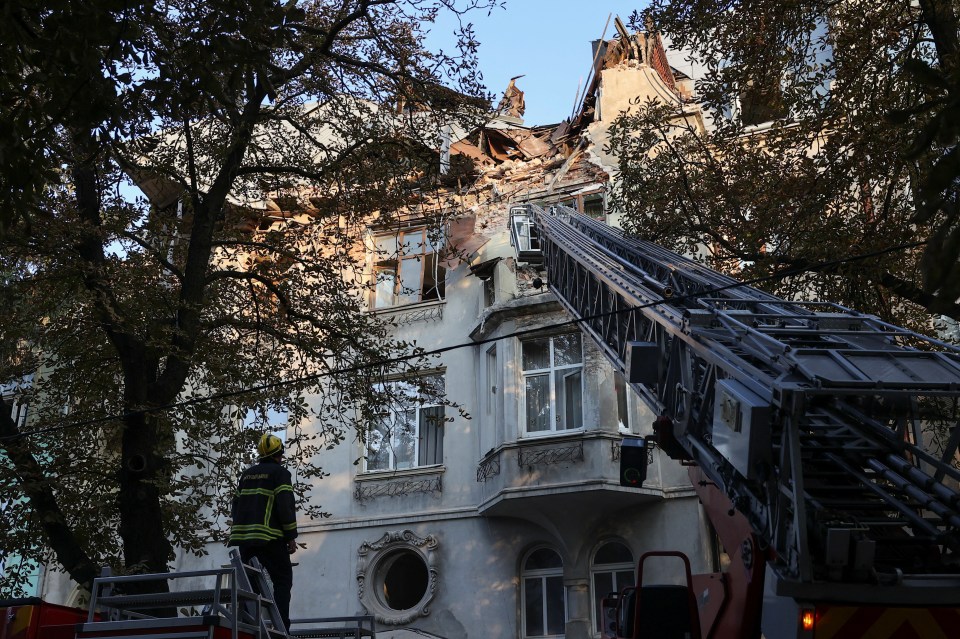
[[406, 256], [417, 405], [551, 373], [524, 229], [542, 575], [491, 380], [612, 569]]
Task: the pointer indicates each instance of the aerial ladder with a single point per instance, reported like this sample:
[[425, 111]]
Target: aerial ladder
[[822, 442]]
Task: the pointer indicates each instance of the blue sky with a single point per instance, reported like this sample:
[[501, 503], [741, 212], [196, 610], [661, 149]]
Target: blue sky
[[547, 41]]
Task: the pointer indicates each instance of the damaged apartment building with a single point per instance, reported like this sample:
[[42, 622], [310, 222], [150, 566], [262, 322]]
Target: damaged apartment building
[[509, 522]]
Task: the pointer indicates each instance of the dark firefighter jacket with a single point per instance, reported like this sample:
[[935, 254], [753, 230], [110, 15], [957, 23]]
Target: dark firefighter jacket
[[263, 508]]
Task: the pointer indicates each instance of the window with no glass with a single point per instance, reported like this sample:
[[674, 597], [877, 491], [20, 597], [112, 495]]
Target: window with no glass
[[402, 579], [407, 268], [398, 576], [552, 383]]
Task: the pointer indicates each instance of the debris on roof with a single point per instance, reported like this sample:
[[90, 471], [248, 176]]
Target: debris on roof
[[512, 103], [501, 159]]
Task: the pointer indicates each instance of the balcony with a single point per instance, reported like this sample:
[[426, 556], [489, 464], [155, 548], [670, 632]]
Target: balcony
[[568, 472]]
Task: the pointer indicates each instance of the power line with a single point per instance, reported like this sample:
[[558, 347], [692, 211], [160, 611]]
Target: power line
[[446, 349]]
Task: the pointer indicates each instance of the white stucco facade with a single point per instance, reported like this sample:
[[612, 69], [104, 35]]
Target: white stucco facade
[[499, 492]]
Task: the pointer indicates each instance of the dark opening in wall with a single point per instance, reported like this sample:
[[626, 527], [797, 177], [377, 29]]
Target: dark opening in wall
[[405, 579]]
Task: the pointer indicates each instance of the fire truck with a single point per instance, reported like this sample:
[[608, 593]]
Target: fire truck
[[822, 443]]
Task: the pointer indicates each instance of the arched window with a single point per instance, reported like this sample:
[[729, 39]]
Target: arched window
[[544, 598], [612, 571]]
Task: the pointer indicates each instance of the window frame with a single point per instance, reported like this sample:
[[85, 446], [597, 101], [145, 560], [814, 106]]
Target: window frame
[[425, 253], [418, 405], [551, 372], [491, 379], [612, 569], [525, 231], [541, 575]]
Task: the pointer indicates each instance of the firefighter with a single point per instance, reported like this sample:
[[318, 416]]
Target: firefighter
[[265, 519]]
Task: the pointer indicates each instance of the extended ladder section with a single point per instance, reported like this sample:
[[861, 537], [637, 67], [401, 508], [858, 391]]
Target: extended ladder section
[[833, 432]]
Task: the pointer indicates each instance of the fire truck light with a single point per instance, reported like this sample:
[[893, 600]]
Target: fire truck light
[[807, 619]]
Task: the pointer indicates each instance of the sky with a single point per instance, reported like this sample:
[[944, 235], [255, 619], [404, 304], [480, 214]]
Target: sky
[[546, 41]]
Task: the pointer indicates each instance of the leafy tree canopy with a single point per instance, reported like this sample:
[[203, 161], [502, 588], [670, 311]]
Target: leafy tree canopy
[[266, 134], [832, 132]]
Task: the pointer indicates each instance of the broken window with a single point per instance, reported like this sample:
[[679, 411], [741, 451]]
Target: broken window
[[762, 101], [593, 206], [623, 409], [590, 204], [407, 268], [409, 434], [489, 292]]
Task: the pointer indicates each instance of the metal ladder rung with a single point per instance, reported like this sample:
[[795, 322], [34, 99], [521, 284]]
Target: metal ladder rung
[[254, 569]]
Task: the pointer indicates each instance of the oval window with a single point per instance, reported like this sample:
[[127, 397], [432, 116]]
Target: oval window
[[397, 576], [403, 578]]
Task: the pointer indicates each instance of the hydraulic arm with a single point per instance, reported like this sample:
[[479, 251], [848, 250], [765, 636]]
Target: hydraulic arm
[[834, 433]]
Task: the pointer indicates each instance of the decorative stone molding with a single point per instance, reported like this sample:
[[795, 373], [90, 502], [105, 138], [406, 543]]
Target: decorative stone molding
[[375, 562], [410, 314], [394, 487], [541, 456]]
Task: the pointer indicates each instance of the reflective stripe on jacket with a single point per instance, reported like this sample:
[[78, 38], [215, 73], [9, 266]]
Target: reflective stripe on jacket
[[263, 507]]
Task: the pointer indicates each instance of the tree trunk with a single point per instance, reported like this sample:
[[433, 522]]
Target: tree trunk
[[146, 548]]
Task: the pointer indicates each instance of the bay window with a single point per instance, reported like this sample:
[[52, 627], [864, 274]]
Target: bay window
[[552, 383]]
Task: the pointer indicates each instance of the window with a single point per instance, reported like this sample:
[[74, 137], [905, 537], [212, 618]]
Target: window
[[410, 433], [407, 269], [590, 204], [612, 571], [398, 576], [405, 579], [524, 232], [553, 383], [491, 375], [544, 598], [623, 409], [11, 394], [762, 101], [489, 292], [593, 206], [18, 412]]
